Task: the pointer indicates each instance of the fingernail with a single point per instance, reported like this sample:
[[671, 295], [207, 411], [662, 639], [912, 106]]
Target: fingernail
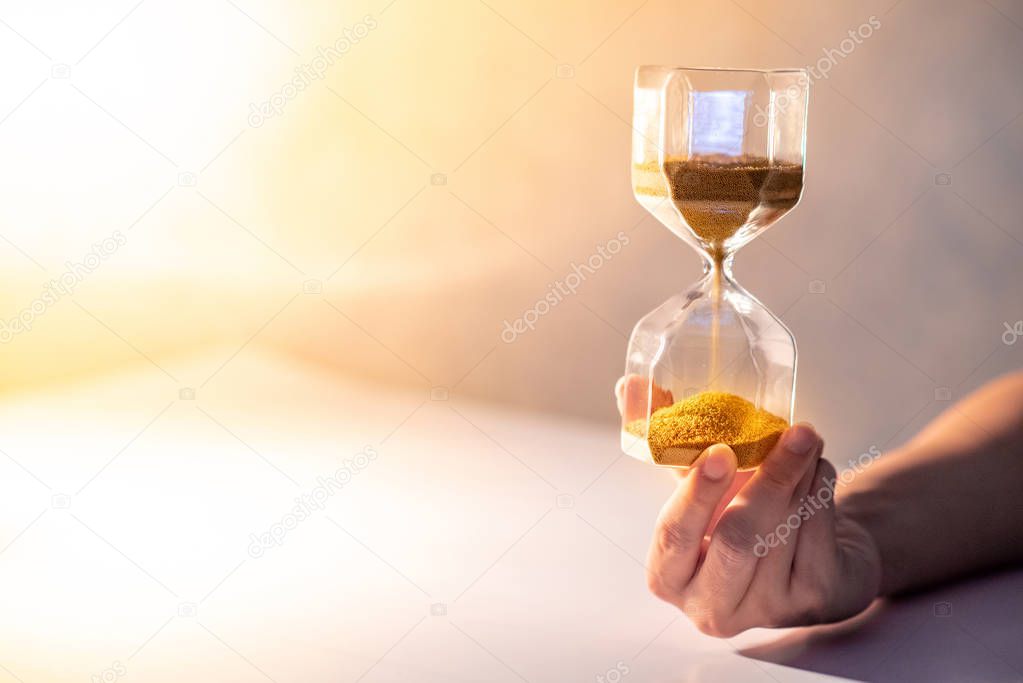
[[800, 439], [715, 464]]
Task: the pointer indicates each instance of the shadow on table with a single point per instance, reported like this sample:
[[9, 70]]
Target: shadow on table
[[969, 631]]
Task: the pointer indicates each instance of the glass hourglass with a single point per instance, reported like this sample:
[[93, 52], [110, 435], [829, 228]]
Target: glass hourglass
[[717, 158]]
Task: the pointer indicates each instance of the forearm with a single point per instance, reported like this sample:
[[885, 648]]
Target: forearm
[[950, 502]]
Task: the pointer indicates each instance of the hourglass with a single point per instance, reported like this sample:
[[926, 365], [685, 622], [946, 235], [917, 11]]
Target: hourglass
[[717, 158]]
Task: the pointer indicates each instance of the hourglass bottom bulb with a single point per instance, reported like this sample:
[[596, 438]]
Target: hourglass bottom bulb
[[676, 434]]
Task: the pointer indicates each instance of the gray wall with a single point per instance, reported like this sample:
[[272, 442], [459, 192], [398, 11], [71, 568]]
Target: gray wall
[[910, 218]]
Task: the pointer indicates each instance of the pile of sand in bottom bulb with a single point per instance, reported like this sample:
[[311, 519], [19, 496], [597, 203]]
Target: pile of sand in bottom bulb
[[680, 432]]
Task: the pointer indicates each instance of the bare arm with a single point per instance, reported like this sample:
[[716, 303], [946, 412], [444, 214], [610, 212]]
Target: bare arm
[[950, 502], [773, 549]]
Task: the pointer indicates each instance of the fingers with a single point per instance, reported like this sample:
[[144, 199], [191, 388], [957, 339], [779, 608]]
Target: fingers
[[785, 465], [777, 553], [810, 591], [634, 393], [620, 395], [684, 522], [817, 534], [731, 558], [738, 481]]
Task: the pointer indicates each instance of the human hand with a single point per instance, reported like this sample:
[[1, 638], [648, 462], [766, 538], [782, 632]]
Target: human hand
[[631, 393], [780, 553], [769, 547]]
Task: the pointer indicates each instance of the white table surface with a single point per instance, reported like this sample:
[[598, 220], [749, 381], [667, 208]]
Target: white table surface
[[127, 514]]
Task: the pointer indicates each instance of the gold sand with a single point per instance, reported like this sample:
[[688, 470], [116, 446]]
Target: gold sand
[[680, 432]]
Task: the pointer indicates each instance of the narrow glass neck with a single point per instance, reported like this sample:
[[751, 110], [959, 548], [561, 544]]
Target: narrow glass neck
[[721, 263]]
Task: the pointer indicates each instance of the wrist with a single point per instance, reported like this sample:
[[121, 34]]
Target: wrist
[[868, 510]]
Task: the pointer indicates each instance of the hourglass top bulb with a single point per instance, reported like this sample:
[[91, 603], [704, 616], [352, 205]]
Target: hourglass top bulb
[[718, 195]]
